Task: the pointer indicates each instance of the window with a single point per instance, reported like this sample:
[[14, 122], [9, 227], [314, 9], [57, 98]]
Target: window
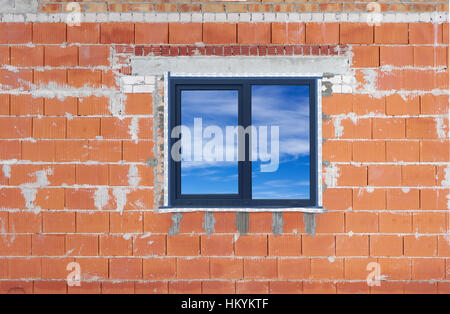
[[242, 142]]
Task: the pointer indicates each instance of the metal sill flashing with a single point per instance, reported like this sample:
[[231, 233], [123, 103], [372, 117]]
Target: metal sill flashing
[[311, 210]]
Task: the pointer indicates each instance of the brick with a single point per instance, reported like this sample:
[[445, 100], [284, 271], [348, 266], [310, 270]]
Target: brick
[[184, 245], [254, 33], [407, 151], [218, 287], [361, 222], [84, 78], [117, 33], [129, 222], [384, 175], [51, 128], [139, 104], [23, 56], [427, 56], [94, 269], [11, 198], [56, 107], [15, 33], [419, 175], [15, 245], [417, 287], [81, 245], [50, 287], [395, 269], [92, 56], [429, 222], [152, 33], [85, 288], [386, 245], [352, 245], [93, 105], [83, 128], [294, 268], [121, 287], [159, 268], [193, 268], [15, 127], [137, 152], [395, 223], [434, 104], [288, 33], [61, 56], [335, 199], [285, 245], [152, 287], [118, 175], [412, 79], [423, 246], [356, 268], [337, 104], [251, 245], [433, 199], [350, 175], [316, 287], [391, 33], [114, 245], [366, 104], [323, 268], [68, 151], [356, 33], [226, 268], [322, 33], [217, 245], [260, 223], [92, 174], [252, 287], [4, 104], [47, 245], [185, 287], [365, 56], [443, 247], [146, 245], [55, 268], [85, 33], [332, 222], [115, 128], [22, 105], [399, 56], [352, 288], [425, 33], [260, 268], [428, 269], [219, 33], [61, 222], [434, 151], [402, 199], [25, 222], [337, 151], [125, 268], [17, 79], [393, 128], [20, 268], [43, 78], [319, 245], [185, 33], [369, 199], [369, 151], [396, 105], [49, 33]]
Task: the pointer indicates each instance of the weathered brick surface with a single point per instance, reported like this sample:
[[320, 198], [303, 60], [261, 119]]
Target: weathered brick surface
[[75, 184]]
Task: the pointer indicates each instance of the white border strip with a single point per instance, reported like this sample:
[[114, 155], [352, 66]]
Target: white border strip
[[160, 17], [318, 209]]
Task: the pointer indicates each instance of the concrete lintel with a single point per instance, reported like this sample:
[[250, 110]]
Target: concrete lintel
[[243, 65]]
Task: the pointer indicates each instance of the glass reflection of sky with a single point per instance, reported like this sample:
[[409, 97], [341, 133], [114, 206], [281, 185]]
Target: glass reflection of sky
[[216, 108], [288, 108]]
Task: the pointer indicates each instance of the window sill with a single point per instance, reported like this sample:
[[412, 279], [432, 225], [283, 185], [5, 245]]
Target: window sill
[[311, 210]]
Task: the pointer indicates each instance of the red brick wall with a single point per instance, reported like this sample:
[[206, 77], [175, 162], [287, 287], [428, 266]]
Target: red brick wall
[[389, 203]]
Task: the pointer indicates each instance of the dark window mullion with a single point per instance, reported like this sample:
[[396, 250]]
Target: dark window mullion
[[246, 122]]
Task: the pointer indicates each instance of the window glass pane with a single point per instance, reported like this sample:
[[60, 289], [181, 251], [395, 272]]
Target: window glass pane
[[208, 163], [283, 174]]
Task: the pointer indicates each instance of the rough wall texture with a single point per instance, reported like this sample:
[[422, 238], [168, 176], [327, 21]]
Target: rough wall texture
[[78, 167]]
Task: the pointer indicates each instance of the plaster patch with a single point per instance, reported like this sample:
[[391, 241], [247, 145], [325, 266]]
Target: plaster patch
[[6, 170], [101, 197], [440, 128], [120, 194], [331, 175], [133, 176], [176, 221]]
